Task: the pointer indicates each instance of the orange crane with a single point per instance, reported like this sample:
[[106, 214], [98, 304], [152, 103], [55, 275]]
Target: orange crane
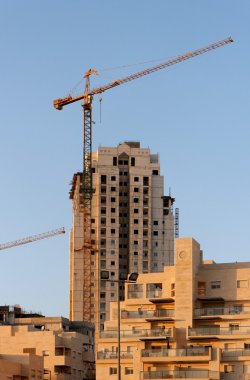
[[32, 238], [87, 188]]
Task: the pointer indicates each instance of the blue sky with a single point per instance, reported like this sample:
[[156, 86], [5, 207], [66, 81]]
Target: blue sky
[[194, 114]]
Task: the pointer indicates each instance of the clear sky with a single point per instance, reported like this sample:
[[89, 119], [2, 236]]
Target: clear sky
[[194, 114]]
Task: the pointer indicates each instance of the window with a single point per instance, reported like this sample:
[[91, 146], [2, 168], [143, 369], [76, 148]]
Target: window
[[247, 346], [155, 172], [136, 179], [103, 179], [129, 371], [29, 351], [155, 233], [113, 188], [135, 253], [112, 252], [136, 211], [112, 199], [112, 220], [215, 284], [112, 230], [145, 181], [102, 295], [132, 161], [136, 232], [154, 290], [113, 178], [136, 200], [114, 161], [92, 221], [201, 288], [112, 209], [103, 211], [242, 283], [234, 327], [112, 370], [136, 221], [112, 263], [103, 221], [155, 222], [135, 291], [136, 189]]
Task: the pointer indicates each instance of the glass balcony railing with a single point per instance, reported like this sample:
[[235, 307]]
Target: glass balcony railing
[[232, 310], [114, 355], [154, 293], [235, 352], [178, 374], [161, 332], [164, 352], [217, 330], [125, 314]]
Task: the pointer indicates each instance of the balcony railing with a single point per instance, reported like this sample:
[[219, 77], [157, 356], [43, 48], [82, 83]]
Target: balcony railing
[[125, 314], [214, 330], [154, 293], [177, 374], [235, 352], [137, 333], [135, 294], [114, 355], [221, 311], [163, 352]]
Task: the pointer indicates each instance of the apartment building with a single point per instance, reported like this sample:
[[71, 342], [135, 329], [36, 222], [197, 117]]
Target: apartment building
[[132, 224], [63, 348], [21, 367], [191, 321]]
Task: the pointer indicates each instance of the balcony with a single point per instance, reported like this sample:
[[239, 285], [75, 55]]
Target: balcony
[[232, 310], [109, 355], [194, 354], [148, 314], [144, 334], [233, 332], [180, 374], [125, 314], [235, 354]]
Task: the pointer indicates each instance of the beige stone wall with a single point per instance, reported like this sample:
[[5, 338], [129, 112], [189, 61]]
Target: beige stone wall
[[204, 306]]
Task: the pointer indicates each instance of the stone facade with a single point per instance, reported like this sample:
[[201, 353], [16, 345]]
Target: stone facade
[[132, 224], [192, 321]]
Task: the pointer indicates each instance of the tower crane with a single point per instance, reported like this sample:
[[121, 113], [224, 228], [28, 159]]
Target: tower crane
[[87, 188], [32, 238]]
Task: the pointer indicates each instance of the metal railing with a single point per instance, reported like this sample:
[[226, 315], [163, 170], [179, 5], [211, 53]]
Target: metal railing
[[235, 352], [221, 311], [183, 374], [164, 352], [161, 332], [214, 330], [114, 355], [125, 314]]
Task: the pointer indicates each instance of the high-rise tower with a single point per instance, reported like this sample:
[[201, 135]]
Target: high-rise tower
[[132, 224]]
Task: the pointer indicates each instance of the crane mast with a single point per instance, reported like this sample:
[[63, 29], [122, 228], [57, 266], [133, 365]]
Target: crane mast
[[87, 188], [32, 238]]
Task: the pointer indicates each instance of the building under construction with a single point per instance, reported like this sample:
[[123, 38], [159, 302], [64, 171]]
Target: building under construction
[[132, 225]]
